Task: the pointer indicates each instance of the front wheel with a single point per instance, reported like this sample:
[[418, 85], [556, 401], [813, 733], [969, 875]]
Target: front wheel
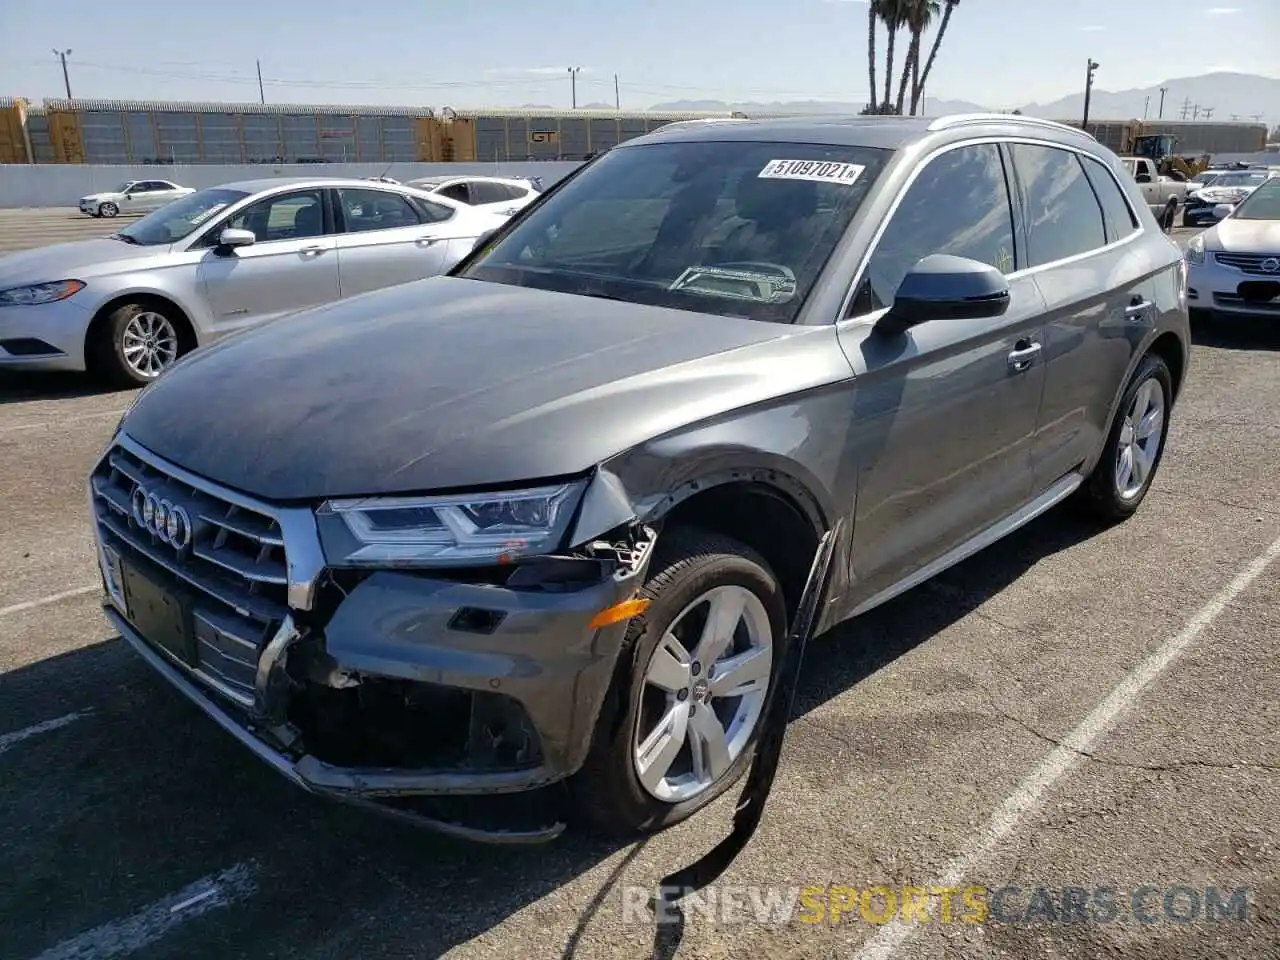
[[691, 687], [108, 209], [138, 342], [1134, 446]]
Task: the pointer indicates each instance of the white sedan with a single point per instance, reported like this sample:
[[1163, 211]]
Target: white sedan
[[504, 195], [1234, 267], [133, 196]]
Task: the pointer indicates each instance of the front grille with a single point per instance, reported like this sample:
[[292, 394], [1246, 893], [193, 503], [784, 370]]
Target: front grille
[[1249, 262], [233, 575], [1237, 302]]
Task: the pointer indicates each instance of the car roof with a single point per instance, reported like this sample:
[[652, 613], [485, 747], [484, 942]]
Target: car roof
[[885, 132], [271, 183]]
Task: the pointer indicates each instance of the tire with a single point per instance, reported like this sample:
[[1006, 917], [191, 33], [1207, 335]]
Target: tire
[[689, 563], [1101, 495], [1169, 215], [108, 209], [106, 350]]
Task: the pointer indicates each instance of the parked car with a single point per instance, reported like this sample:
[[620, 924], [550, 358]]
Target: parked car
[[129, 305], [1228, 187], [1163, 194], [1235, 265], [1204, 178], [540, 529], [506, 195], [133, 196]]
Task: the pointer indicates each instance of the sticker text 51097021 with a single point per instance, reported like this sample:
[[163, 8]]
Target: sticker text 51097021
[[823, 171]]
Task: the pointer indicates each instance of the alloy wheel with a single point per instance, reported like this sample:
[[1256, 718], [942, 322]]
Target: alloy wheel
[[703, 692], [149, 344], [1141, 434]]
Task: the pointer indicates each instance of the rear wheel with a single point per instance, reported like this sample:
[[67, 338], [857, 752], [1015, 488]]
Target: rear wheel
[[137, 343], [1134, 447], [695, 671], [108, 209]]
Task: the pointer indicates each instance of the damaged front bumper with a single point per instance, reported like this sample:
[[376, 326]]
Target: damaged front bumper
[[456, 704]]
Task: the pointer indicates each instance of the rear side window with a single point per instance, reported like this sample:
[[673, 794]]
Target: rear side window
[[1063, 216], [958, 204], [375, 210], [484, 192], [456, 191], [1116, 211]]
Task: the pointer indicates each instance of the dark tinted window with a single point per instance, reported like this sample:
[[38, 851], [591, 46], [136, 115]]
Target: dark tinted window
[[375, 210], [483, 192], [431, 212], [732, 228], [456, 191], [958, 204], [1115, 209], [1063, 217]]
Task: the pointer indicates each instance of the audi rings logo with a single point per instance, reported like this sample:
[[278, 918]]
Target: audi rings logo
[[1270, 265], [162, 518]]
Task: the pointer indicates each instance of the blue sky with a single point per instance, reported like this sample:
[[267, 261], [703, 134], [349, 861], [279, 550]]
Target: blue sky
[[999, 53]]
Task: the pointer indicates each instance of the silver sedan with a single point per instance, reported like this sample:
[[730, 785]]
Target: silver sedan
[[128, 306]]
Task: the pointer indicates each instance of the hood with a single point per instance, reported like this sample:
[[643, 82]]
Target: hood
[[68, 261], [446, 383], [105, 195], [1245, 236]]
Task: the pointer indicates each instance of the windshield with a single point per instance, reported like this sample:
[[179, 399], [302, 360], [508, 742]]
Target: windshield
[[1262, 204], [1238, 180], [738, 229], [176, 220], [124, 187]]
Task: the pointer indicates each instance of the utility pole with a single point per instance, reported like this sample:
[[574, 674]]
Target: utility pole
[[66, 79], [1195, 112], [1146, 107], [1186, 107], [1088, 92], [262, 97], [617, 97], [573, 84], [1163, 91], [1208, 112]]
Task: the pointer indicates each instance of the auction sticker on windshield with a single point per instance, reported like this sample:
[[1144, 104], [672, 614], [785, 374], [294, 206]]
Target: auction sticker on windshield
[[823, 171]]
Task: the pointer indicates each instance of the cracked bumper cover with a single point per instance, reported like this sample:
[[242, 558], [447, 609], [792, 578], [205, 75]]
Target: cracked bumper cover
[[543, 654]]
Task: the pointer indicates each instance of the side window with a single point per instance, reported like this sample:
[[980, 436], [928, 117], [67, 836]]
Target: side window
[[484, 192], [288, 216], [431, 212], [142, 186], [958, 204], [1063, 216], [375, 210], [456, 191], [1115, 208], [514, 192]]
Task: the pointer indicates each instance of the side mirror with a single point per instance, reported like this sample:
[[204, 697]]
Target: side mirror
[[231, 238], [943, 287], [1222, 211]]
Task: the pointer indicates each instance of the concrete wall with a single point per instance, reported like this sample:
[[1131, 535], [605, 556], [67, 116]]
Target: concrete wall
[[61, 185]]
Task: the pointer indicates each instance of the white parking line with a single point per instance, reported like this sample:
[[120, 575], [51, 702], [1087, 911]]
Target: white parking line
[[1104, 717], [64, 421], [7, 740], [151, 923], [51, 598]]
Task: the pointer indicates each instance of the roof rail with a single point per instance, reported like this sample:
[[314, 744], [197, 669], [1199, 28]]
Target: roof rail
[[960, 119]]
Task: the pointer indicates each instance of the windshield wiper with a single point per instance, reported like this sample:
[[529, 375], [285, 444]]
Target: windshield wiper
[[124, 237]]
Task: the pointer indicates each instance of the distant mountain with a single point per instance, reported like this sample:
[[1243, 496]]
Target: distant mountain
[[1225, 94], [596, 106], [805, 107]]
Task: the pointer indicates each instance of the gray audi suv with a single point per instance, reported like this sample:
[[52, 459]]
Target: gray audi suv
[[529, 541]]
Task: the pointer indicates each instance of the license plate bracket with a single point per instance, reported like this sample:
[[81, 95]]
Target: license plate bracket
[[158, 615]]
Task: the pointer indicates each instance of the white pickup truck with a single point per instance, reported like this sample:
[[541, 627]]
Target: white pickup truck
[[1157, 190]]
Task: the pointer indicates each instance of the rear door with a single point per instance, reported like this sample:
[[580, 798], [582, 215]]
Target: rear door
[[293, 263], [1085, 252], [385, 239], [943, 415]]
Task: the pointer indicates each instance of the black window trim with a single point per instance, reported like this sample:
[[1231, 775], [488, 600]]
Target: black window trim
[[1134, 218], [1020, 226]]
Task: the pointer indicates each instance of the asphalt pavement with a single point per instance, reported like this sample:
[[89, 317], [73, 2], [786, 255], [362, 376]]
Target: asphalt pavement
[[1077, 730]]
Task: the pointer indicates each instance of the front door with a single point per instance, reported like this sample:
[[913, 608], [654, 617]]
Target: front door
[[385, 240], [292, 264], [943, 415]]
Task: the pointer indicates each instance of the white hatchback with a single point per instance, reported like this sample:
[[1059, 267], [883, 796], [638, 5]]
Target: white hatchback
[[504, 195]]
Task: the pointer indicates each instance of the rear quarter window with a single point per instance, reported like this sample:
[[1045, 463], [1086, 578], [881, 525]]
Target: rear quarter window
[[1116, 212]]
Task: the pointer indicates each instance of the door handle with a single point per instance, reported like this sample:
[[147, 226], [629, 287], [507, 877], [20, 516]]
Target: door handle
[[426, 241], [1137, 309], [312, 251], [1023, 357]]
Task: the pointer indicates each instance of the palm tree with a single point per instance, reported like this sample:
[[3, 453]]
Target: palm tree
[[892, 13], [873, 14], [918, 16], [948, 9]]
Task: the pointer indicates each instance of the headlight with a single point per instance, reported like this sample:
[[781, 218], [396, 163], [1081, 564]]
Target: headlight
[[39, 293], [462, 530], [1195, 249]]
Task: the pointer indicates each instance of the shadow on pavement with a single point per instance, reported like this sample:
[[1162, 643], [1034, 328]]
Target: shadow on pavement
[[1236, 333], [24, 387], [144, 795]]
